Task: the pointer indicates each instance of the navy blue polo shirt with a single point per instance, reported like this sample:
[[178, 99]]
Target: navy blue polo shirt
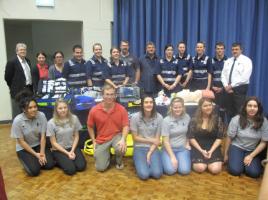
[[96, 71], [217, 66], [169, 70], [185, 62], [148, 81], [133, 63], [75, 73], [117, 73], [201, 67]]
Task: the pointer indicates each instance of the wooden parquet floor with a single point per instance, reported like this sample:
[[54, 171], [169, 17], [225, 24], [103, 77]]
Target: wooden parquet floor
[[116, 184]]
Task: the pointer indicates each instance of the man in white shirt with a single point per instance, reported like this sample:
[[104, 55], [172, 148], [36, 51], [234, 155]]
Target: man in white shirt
[[235, 78], [18, 75]]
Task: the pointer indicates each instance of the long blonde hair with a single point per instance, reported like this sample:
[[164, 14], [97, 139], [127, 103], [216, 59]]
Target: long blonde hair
[[198, 117], [56, 117]]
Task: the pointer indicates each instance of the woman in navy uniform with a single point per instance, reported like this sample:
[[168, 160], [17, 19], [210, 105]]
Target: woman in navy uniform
[[168, 72]]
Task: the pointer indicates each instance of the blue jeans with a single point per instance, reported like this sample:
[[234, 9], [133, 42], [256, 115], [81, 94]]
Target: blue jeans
[[143, 169], [236, 165], [184, 161]]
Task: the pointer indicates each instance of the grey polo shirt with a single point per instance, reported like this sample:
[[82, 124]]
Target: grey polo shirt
[[64, 134], [247, 138], [145, 128], [176, 129], [29, 129]]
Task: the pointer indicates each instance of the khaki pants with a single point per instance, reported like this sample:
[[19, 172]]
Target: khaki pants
[[102, 153]]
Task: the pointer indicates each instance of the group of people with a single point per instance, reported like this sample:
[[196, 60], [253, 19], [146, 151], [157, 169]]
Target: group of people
[[187, 143], [227, 78]]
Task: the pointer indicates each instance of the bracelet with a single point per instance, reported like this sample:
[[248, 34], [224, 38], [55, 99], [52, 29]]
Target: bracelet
[[264, 162]]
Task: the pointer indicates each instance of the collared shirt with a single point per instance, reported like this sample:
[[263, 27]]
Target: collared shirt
[[145, 128], [247, 138], [148, 79], [217, 66], [201, 67], [176, 129], [96, 70], [108, 124], [184, 62], [75, 73], [117, 73], [29, 129], [241, 71], [64, 134], [169, 70], [27, 71], [133, 63]]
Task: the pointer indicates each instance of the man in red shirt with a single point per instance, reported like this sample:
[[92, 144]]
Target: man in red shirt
[[111, 122]]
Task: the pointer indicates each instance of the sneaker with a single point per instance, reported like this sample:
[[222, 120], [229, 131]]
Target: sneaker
[[119, 166]]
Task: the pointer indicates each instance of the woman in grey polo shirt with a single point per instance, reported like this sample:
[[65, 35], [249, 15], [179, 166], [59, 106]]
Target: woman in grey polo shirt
[[145, 127], [176, 151], [64, 136], [247, 137], [29, 130], [205, 133]]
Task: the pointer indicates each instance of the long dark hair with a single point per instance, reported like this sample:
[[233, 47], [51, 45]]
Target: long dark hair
[[153, 113], [257, 119], [24, 98]]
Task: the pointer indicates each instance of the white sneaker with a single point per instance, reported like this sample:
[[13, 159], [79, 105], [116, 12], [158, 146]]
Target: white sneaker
[[118, 166]]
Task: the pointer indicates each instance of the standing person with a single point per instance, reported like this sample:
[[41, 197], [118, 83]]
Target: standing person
[[55, 71], [148, 65], [217, 63], [132, 61], [168, 72], [18, 75], [247, 137], [176, 150], [145, 127], [29, 130], [64, 136], [111, 122], [118, 71], [74, 70], [40, 71], [97, 68], [235, 78], [201, 76], [205, 134], [185, 63]]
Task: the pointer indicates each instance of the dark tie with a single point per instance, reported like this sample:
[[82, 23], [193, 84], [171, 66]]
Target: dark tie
[[231, 72]]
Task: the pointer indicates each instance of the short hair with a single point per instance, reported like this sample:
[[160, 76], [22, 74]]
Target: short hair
[[96, 44], [77, 46], [167, 46], [219, 44], [56, 52], [237, 44], [41, 53], [181, 42], [125, 41], [20, 45], [107, 87], [150, 43], [201, 42]]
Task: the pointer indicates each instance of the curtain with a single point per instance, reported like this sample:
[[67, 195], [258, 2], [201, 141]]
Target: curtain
[[171, 21]]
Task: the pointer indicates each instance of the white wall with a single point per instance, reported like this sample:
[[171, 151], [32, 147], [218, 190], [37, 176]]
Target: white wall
[[96, 16]]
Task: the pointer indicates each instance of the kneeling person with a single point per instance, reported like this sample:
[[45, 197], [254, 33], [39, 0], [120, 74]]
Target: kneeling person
[[111, 122], [64, 136]]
